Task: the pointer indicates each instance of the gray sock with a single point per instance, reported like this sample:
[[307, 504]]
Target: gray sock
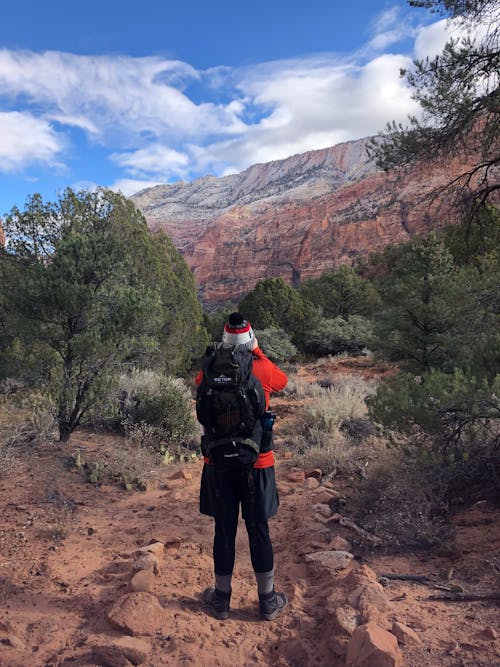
[[223, 582], [265, 582]]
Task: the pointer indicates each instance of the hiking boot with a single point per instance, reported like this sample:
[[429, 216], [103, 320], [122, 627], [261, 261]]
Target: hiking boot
[[272, 604], [218, 602]]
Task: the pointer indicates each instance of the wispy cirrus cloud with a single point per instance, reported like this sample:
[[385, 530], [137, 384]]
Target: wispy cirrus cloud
[[113, 95], [390, 27], [158, 119]]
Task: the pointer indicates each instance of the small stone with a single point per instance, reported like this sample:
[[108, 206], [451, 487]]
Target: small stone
[[311, 483], [142, 581], [360, 576], [372, 646], [333, 560], [335, 518], [297, 476], [323, 496], [173, 542], [155, 548], [339, 544], [346, 619], [287, 455], [490, 633], [148, 562], [324, 510], [182, 474], [315, 472], [405, 635], [371, 601]]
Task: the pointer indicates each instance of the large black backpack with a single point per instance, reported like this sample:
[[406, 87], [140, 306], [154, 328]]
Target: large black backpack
[[229, 404]]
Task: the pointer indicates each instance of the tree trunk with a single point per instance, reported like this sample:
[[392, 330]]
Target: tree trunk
[[65, 432]]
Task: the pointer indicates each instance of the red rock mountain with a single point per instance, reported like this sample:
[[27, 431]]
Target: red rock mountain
[[293, 218], [2, 236]]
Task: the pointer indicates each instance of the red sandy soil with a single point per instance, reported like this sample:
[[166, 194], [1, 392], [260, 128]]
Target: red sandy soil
[[67, 549]]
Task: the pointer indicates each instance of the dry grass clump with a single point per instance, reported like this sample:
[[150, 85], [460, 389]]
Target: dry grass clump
[[346, 395], [35, 423], [128, 462], [336, 454], [143, 436], [25, 422], [332, 431], [299, 388], [116, 460]]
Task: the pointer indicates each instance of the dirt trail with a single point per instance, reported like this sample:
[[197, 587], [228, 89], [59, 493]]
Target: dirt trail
[[67, 550]]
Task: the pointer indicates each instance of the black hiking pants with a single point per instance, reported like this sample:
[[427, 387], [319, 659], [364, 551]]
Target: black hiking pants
[[221, 496]]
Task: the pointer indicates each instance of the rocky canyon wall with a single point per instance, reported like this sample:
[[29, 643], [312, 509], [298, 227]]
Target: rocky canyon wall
[[294, 218]]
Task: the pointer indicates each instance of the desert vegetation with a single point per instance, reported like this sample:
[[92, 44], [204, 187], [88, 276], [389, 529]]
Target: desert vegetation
[[99, 318], [426, 438]]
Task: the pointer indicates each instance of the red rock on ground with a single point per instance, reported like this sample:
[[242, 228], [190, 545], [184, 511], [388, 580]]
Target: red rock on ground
[[138, 614], [371, 646]]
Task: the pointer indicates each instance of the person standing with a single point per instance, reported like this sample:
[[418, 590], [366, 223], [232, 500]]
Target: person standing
[[223, 491]]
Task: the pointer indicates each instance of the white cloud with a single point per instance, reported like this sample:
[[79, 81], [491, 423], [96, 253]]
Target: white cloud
[[156, 159], [313, 103], [25, 140], [76, 121], [141, 112], [113, 95], [389, 28], [430, 40]]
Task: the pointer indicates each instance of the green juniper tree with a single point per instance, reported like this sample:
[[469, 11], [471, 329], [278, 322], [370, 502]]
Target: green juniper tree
[[421, 294], [273, 303], [86, 285], [459, 95], [341, 293]]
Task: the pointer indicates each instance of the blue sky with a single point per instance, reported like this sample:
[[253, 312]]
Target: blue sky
[[128, 95]]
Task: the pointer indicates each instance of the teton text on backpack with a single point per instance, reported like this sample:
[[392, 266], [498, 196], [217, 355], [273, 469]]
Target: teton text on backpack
[[229, 404]]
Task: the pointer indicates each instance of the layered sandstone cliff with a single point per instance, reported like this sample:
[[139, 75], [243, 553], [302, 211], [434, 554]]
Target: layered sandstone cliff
[[293, 218]]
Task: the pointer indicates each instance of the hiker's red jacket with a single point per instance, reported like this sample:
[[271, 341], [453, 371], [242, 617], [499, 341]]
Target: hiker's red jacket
[[272, 379]]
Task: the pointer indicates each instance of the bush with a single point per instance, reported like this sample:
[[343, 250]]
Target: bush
[[276, 344], [449, 422], [333, 336], [274, 303], [160, 401], [400, 501], [341, 293], [39, 424]]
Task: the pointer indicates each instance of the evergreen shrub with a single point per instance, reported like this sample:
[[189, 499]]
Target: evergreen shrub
[[160, 401], [332, 336], [276, 344]]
